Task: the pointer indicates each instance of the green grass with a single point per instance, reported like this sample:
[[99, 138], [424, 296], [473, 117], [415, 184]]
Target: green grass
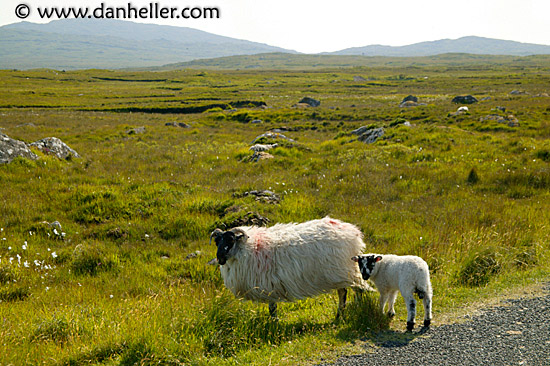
[[129, 282]]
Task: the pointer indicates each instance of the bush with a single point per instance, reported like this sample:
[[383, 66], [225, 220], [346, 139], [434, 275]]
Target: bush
[[473, 177], [478, 269], [88, 260]]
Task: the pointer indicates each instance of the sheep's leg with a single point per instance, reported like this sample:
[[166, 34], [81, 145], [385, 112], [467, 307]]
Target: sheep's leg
[[411, 310], [382, 300], [342, 294], [273, 310], [391, 301], [427, 300]]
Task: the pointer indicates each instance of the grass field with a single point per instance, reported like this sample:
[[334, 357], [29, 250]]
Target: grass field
[[128, 281]]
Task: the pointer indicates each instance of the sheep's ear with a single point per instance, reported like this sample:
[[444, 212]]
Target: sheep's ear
[[355, 259], [216, 234], [378, 259]]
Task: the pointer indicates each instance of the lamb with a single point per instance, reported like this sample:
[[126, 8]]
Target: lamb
[[289, 262], [408, 274]]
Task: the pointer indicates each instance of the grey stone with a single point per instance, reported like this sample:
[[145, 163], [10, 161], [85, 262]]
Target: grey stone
[[11, 149], [54, 146]]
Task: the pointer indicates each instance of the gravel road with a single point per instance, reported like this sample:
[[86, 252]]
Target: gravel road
[[516, 333]]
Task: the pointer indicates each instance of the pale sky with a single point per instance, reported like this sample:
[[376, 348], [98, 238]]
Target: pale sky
[[316, 26]]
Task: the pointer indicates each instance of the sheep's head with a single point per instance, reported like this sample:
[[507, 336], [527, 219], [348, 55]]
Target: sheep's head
[[227, 241], [366, 264]]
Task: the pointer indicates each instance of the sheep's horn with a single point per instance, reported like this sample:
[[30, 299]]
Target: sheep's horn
[[215, 234]]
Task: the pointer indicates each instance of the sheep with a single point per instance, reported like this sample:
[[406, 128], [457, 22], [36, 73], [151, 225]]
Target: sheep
[[289, 262], [408, 274]]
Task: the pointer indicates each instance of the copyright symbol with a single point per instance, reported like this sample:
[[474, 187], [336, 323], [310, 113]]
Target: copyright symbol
[[22, 11]]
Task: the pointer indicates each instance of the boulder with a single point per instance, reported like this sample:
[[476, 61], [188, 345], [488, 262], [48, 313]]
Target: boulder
[[310, 101], [510, 120], [265, 196], [409, 98], [464, 99], [368, 135], [11, 149], [54, 146], [136, 130], [272, 135], [263, 147], [177, 124], [260, 155], [358, 79], [410, 103]]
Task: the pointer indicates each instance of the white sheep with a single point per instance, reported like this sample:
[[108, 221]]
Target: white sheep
[[408, 274], [289, 262]]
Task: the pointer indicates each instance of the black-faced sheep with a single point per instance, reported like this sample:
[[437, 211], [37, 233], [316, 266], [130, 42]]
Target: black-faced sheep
[[408, 274], [289, 262]]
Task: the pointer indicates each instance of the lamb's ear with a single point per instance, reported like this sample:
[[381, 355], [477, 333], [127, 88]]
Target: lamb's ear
[[355, 259], [378, 259], [216, 234]]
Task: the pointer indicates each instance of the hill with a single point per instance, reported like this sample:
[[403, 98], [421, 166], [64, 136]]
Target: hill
[[108, 43], [284, 61], [472, 44]]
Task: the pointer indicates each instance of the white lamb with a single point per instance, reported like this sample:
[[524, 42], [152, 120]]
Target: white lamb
[[408, 274], [289, 262]]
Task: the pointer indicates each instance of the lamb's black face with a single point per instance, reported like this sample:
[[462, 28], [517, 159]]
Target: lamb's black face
[[366, 264], [225, 242]]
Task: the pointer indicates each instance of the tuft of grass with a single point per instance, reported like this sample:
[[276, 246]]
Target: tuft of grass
[[478, 269]]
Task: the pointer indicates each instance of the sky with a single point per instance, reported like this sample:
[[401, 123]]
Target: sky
[[322, 26]]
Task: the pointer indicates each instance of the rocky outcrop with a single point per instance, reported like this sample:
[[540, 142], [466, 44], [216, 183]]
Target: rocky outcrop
[[11, 149], [54, 146]]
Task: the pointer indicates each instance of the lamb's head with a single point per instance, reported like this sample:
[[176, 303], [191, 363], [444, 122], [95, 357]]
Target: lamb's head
[[227, 243], [367, 264]]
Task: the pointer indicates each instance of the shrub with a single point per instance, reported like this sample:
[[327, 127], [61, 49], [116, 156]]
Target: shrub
[[363, 314], [473, 177], [478, 269], [89, 260]]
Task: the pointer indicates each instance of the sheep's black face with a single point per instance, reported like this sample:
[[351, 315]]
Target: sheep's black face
[[225, 242], [366, 264]]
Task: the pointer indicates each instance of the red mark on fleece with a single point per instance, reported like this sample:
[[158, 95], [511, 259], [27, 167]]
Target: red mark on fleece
[[260, 250]]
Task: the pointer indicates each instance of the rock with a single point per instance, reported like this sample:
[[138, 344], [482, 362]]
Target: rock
[[175, 124], [136, 130], [502, 109], [29, 124], [409, 104], [54, 146], [466, 99], [518, 92], [359, 79], [371, 135], [310, 101], [193, 255], [265, 196], [510, 120], [409, 98], [460, 110], [272, 135], [11, 149], [256, 121], [263, 147], [260, 155], [250, 219], [484, 99]]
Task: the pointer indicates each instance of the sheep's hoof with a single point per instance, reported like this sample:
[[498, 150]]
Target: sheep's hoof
[[391, 315], [410, 326], [427, 323]]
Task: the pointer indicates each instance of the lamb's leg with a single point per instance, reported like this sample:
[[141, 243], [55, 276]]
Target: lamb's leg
[[342, 294], [411, 310], [427, 300], [391, 301], [273, 310], [382, 300]]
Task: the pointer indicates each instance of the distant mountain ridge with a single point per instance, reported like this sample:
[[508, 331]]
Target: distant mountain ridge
[[109, 43], [471, 44], [113, 44]]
